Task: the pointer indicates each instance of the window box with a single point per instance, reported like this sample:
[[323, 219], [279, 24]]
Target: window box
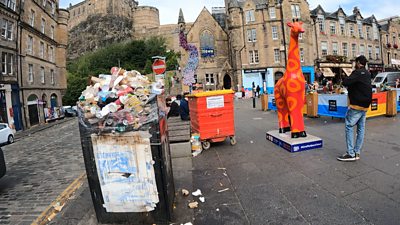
[[395, 46], [388, 45]]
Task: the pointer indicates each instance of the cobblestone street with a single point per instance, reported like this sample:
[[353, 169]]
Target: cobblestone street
[[39, 167]]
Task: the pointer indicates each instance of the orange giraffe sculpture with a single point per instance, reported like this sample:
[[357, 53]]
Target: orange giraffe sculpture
[[290, 89]]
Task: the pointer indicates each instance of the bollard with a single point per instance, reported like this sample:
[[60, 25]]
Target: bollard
[[254, 102]]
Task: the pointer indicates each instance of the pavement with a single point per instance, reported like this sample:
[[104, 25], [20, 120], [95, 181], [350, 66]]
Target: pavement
[[42, 163], [256, 182]]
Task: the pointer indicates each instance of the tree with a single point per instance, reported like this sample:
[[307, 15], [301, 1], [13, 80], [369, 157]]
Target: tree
[[132, 55]]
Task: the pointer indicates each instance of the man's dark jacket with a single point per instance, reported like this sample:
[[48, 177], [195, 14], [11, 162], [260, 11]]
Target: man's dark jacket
[[359, 87], [174, 110], [184, 110]]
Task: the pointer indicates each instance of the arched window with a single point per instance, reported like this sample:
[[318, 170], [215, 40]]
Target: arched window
[[53, 100], [32, 98], [207, 44]]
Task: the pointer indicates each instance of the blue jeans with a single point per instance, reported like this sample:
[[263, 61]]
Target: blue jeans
[[355, 117]]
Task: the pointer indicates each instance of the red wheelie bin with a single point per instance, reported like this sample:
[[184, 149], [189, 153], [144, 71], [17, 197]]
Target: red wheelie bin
[[212, 116]]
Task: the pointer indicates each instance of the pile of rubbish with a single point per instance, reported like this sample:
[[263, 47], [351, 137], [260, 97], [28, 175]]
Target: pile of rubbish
[[120, 102]]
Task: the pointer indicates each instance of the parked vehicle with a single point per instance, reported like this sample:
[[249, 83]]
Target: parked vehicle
[[388, 78], [2, 164], [69, 111], [6, 134]]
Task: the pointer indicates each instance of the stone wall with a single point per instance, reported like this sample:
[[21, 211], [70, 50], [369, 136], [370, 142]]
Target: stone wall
[[98, 31]]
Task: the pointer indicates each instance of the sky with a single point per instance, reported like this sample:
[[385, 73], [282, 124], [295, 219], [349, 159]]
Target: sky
[[169, 9]]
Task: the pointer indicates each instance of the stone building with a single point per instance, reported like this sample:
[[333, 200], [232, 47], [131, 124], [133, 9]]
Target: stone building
[[81, 11], [10, 110], [42, 64], [390, 35], [259, 40], [340, 38], [214, 69]]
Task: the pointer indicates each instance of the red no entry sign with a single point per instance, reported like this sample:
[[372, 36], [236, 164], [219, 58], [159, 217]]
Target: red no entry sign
[[159, 66]]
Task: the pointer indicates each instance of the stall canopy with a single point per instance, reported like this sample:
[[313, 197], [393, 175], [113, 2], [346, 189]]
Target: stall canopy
[[327, 72], [395, 61], [347, 71]]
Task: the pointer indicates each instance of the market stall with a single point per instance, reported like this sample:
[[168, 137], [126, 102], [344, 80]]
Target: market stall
[[378, 105], [334, 105]]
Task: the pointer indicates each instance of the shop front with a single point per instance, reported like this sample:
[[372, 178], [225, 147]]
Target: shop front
[[10, 108], [258, 77], [375, 68], [335, 71]]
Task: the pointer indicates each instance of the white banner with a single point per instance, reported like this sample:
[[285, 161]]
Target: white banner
[[215, 102]]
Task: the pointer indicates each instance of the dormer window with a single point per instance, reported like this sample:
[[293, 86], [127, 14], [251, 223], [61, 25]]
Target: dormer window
[[321, 23]]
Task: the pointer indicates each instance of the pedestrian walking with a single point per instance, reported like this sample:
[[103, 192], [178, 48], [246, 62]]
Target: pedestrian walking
[[258, 90], [360, 94], [243, 92]]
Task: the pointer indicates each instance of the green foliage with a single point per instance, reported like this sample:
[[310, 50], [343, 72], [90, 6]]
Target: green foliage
[[132, 55], [76, 85]]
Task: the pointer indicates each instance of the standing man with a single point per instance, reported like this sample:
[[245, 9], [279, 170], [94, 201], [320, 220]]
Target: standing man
[[184, 108], [360, 94]]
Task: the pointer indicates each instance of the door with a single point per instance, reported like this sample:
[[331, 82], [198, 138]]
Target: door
[[33, 115], [227, 82]]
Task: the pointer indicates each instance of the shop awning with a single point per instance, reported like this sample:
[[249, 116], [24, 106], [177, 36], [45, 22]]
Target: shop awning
[[347, 71], [327, 72], [395, 61]]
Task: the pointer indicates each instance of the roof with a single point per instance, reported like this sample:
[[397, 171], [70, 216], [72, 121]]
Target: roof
[[385, 27], [181, 19], [335, 15], [315, 11], [370, 20]]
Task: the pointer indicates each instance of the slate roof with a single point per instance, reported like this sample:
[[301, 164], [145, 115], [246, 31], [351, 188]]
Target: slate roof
[[335, 15]]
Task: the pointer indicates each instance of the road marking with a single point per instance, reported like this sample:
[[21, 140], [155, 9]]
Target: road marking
[[51, 211], [257, 118]]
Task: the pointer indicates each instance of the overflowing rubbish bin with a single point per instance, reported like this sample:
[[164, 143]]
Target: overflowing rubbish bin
[[212, 116], [122, 123]]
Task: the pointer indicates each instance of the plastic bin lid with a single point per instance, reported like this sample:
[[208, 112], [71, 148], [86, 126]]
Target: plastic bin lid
[[210, 93]]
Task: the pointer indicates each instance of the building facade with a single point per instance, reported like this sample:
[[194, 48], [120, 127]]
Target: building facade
[[390, 35], [259, 40], [214, 69], [10, 107], [42, 63], [340, 38]]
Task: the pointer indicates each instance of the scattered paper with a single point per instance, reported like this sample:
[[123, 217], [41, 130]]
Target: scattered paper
[[223, 190], [251, 142], [196, 153], [217, 210], [185, 192], [202, 199], [187, 223], [193, 205], [197, 193]]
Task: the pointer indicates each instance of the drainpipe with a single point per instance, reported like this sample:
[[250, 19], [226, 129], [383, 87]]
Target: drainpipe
[[316, 39], [19, 49], [244, 44], [381, 47], [283, 31]]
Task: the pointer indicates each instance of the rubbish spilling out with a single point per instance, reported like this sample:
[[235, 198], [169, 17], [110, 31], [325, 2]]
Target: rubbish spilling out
[[119, 102]]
